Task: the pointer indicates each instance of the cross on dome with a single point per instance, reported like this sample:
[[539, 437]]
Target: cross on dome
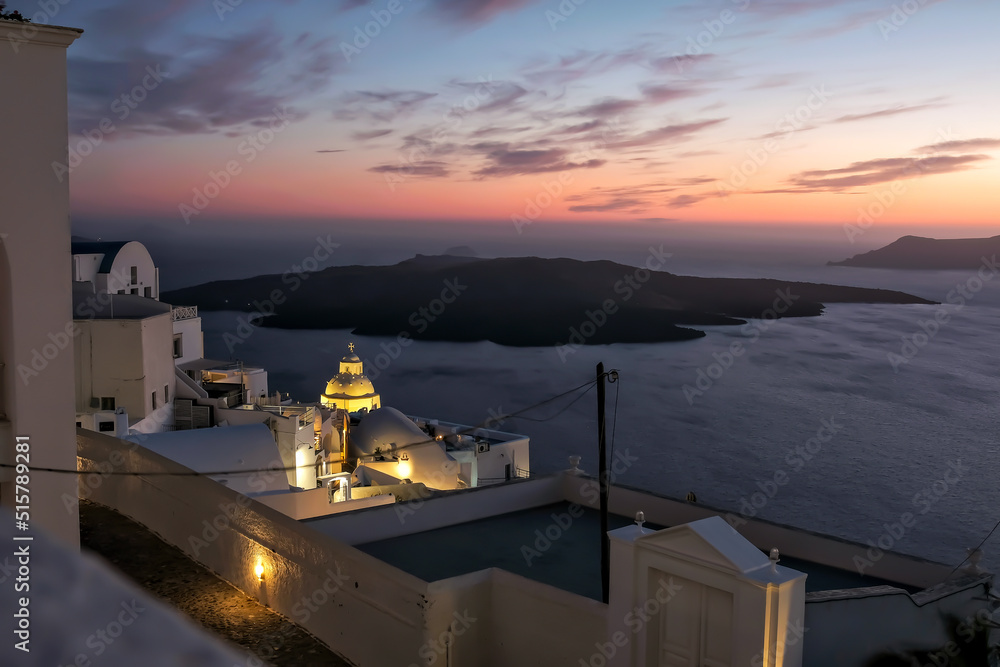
[[350, 347]]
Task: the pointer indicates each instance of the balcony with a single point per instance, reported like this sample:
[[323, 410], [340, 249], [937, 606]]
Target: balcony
[[184, 313]]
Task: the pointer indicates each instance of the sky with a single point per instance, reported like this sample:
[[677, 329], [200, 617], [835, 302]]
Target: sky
[[526, 111]]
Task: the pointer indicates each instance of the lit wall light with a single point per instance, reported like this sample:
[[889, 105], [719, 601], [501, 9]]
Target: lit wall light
[[403, 467], [259, 571]]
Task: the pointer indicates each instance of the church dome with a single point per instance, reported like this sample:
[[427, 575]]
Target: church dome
[[348, 385], [387, 429], [350, 389]]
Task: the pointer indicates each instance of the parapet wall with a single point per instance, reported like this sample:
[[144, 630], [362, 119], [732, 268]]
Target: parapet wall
[[334, 591], [364, 609], [765, 535], [851, 627]]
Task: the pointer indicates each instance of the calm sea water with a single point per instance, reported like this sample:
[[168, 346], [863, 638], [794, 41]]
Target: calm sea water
[[920, 438]]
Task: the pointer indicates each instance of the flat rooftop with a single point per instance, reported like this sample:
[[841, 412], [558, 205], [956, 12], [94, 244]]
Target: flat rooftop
[[571, 562]]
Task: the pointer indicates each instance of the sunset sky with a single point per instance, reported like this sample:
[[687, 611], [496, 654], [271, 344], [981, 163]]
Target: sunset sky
[[728, 111]]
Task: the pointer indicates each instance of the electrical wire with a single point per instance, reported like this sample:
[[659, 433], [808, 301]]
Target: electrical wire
[[985, 539], [614, 420], [568, 406]]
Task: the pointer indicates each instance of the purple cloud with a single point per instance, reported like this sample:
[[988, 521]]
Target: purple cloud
[[507, 162], [881, 113], [383, 106], [425, 169], [872, 172], [220, 87], [683, 201], [612, 205], [960, 145], [371, 134], [477, 11], [667, 133]]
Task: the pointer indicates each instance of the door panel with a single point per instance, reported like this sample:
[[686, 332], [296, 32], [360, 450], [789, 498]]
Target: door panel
[[694, 629]]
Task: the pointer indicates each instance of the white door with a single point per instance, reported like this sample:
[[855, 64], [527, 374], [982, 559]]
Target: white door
[[695, 628]]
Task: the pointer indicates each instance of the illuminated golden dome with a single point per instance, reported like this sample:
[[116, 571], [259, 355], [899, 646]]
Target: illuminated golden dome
[[350, 389], [348, 385]]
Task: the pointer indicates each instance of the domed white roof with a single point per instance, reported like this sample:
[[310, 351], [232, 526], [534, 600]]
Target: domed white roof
[[381, 428], [351, 359]]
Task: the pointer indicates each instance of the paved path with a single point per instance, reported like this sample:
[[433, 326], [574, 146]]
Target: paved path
[[167, 573]]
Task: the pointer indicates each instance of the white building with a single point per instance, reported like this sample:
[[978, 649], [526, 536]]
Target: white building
[[128, 342], [231, 450], [293, 430], [440, 455], [126, 267], [116, 267], [189, 341], [124, 361], [36, 302]]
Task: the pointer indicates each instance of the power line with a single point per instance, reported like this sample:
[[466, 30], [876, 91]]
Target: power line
[[505, 417], [980, 546], [568, 406], [615, 378]]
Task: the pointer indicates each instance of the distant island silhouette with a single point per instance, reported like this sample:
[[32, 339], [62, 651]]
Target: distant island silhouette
[[520, 301], [920, 253]]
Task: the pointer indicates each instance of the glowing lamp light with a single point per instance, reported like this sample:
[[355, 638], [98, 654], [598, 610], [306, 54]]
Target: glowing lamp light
[[403, 467], [259, 571]]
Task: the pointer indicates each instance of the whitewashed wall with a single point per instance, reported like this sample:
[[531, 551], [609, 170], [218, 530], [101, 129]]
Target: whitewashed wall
[[36, 270], [378, 615], [354, 596]]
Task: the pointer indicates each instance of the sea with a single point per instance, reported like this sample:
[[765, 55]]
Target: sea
[[874, 423]]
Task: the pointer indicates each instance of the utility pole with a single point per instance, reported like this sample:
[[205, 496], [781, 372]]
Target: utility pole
[[602, 476]]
